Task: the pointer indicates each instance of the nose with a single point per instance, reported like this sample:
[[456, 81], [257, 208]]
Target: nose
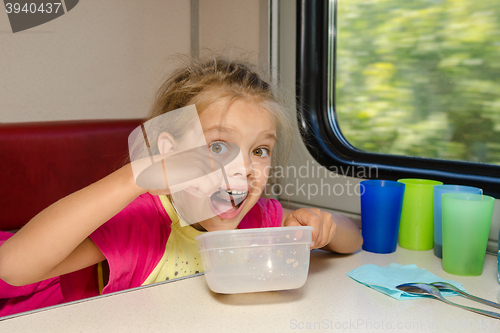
[[248, 167], [241, 166]]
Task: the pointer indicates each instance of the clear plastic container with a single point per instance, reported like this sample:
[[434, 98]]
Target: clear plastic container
[[254, 260]]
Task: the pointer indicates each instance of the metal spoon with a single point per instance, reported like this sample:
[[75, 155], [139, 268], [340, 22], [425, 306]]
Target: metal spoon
[[448, 286], [427, 289]]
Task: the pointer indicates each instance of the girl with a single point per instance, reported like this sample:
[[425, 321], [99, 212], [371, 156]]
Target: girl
[[114, 235]]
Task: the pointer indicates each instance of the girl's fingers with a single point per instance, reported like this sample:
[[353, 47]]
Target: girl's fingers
[[322, 222], [316, 223], [306, 217], [329, 229], [207, 185], [211, 183], [195, 173]]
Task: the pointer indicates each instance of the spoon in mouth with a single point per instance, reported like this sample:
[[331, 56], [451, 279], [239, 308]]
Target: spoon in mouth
[[430, 290], [227, 182]]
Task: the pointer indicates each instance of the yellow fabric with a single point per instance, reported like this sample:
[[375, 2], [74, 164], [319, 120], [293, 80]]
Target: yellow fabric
[[100, 277], [181, 257]]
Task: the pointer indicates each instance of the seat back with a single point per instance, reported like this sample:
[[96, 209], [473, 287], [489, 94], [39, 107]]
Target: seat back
[[43, 162]]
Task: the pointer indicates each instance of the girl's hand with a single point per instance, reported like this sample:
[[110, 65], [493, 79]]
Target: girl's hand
[[324, 226], [192, 170], [334, 232]]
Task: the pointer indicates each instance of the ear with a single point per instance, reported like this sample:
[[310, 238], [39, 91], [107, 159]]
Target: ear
[[166, 143]]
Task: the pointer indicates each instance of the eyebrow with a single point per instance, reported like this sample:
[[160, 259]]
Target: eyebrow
[[218, 128], [227, 129], [270, 135]]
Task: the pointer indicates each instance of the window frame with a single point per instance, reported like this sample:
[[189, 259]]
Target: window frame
[[321, 133]]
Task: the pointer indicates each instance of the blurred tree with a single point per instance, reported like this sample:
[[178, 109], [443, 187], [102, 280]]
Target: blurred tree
[[420, 77]]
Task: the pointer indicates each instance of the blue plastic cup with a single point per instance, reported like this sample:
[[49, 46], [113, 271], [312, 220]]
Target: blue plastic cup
[[381, 206], [498, 258], [439, 190]]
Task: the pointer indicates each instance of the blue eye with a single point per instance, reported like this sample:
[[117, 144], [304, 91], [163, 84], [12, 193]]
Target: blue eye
[[261, 152], [219, 147]]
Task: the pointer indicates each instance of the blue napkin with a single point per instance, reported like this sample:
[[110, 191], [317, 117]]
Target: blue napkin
[[385, 279]]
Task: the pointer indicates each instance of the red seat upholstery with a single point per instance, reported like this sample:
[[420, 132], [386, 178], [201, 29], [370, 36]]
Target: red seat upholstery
[[43, 162]]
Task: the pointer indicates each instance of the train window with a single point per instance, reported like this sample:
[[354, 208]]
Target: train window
[[408, 87], [419, 78]]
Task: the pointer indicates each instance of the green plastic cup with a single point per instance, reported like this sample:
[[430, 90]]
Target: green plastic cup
[[466, 226], [416, 230]]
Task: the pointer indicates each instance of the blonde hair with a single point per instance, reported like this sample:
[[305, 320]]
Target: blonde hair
[[204, 81]]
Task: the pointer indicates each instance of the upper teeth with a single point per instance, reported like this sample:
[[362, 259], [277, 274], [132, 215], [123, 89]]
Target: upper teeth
[[236, 192]]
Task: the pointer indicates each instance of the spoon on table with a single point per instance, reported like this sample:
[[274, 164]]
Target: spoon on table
[[448, 286], [430, 290]]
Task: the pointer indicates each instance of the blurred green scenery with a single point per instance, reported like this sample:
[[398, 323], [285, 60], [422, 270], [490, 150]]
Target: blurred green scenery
[[420, 77]]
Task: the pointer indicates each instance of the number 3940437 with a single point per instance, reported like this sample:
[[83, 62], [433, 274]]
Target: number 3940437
[[32, 8]]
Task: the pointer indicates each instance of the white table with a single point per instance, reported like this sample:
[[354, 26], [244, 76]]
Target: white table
[[329, 302]]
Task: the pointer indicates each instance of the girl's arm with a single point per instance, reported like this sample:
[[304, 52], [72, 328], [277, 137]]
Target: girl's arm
[[334, 232], [56, 241]]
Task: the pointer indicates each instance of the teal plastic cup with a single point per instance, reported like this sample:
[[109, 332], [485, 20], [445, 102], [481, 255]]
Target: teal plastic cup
[[466, 226], [439, 190]]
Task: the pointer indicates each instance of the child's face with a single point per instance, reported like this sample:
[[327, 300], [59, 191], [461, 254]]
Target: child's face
[[253, 129]]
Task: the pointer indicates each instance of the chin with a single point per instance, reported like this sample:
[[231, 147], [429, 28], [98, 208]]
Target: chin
[[216, 224]]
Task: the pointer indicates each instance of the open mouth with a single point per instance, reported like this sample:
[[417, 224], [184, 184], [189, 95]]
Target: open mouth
[[227, 203]]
